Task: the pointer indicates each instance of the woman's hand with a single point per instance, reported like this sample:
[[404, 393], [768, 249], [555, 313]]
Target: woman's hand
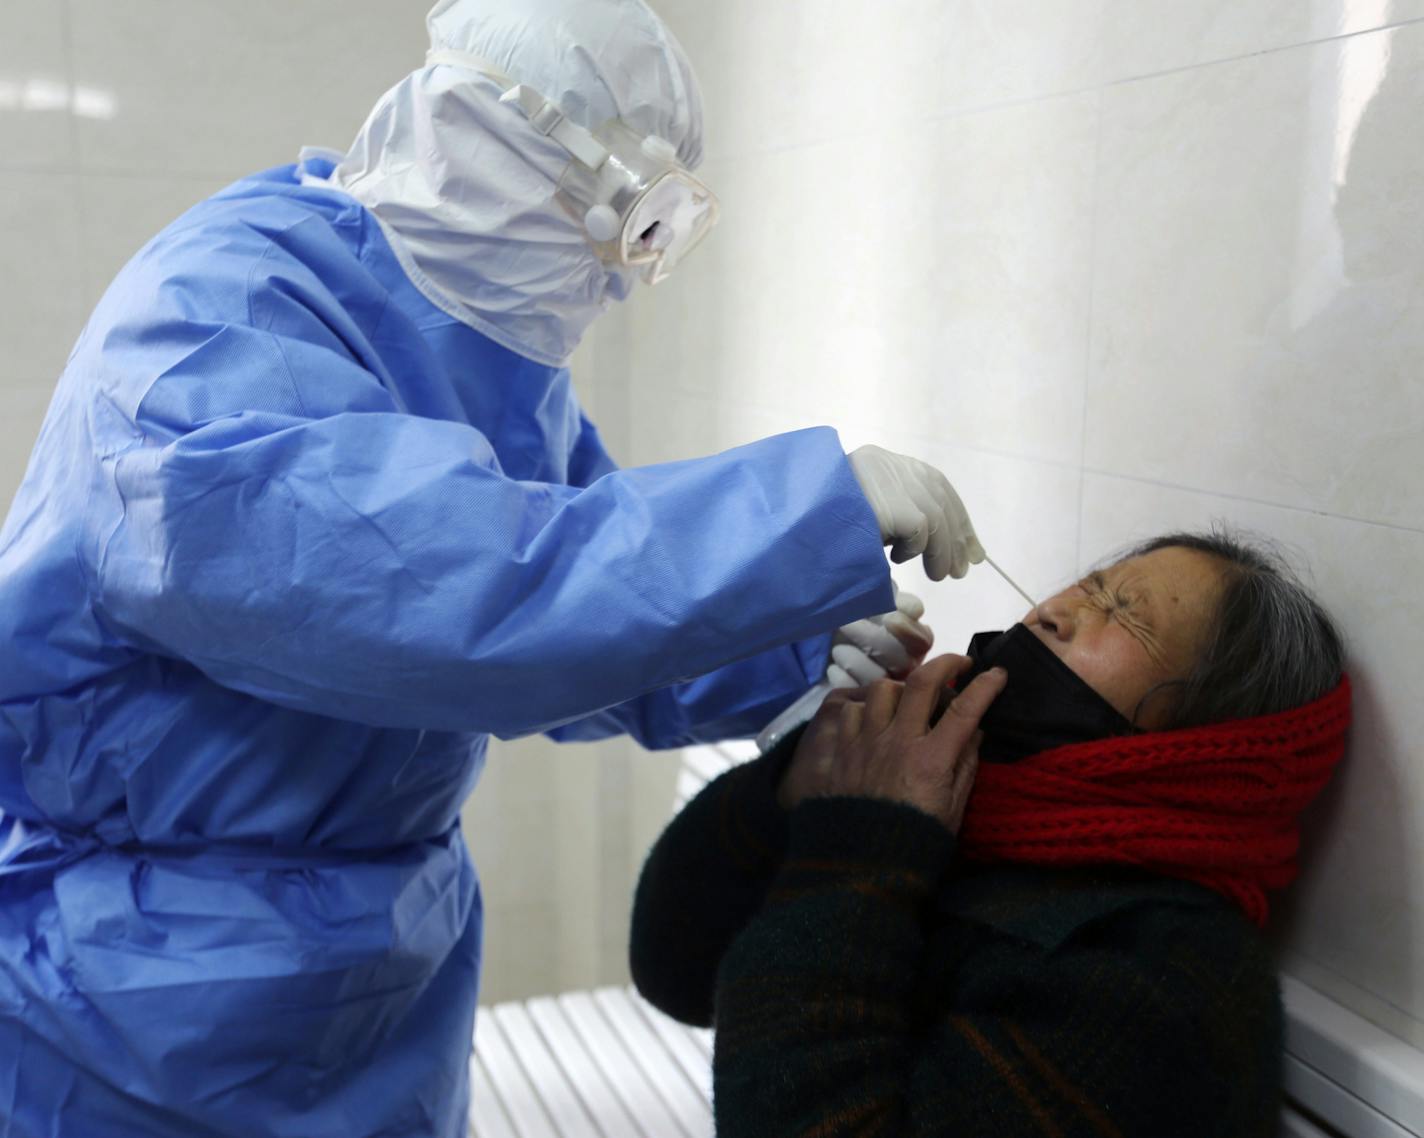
[[876, 742]]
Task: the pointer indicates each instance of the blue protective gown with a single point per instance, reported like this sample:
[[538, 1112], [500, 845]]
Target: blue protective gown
[[292, 544]]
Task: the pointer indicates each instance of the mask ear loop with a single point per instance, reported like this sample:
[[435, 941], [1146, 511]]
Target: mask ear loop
[[1151, 692]]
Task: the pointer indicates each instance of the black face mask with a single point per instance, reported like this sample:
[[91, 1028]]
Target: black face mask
[[1045, 705]]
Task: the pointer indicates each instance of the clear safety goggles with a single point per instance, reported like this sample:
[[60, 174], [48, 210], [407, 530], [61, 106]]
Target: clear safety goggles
[[640, 206]]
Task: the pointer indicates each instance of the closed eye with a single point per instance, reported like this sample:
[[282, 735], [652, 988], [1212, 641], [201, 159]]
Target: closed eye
[[1118, 601]]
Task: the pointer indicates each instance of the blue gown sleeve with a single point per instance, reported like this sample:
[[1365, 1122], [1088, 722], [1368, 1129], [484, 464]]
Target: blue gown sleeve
[[288, 531], [734, 701]]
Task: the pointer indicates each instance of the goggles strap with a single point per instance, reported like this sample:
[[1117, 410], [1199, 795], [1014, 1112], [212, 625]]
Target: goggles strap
[[543, 114]]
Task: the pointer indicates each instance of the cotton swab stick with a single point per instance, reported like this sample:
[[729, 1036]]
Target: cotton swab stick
[[993, 565]]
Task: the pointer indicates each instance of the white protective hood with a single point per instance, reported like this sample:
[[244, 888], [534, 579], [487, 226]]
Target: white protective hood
[[464, 186]]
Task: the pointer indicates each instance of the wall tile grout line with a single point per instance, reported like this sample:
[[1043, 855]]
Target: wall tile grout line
[[971, 110], [1088, 339], [1083, 469], [1303, 44], [723, 404], [79, 170], [66, 18], [86, 261], [1245, 500], [1393, 1005]]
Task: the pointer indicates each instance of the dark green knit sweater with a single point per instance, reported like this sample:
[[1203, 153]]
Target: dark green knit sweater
[[863, 982]]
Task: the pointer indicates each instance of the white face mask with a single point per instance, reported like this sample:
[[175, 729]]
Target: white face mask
[[467, 194]]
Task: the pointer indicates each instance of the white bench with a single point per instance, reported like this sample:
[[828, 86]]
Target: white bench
[[601, 1064]]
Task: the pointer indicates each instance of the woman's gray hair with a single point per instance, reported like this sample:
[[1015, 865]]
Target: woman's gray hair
[[1271, 647]]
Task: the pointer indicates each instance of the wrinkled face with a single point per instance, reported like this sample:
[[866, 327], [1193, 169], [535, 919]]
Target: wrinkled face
[[1133, 626]]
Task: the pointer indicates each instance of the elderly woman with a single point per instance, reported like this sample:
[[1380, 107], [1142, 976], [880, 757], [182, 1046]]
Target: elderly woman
[[892, 939]]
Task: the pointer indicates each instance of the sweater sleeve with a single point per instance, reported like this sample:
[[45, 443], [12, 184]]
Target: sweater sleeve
[[1149, 1025], [705, 878]]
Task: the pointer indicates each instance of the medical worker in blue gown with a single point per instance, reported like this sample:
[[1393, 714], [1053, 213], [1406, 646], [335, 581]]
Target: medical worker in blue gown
[[313, 514]]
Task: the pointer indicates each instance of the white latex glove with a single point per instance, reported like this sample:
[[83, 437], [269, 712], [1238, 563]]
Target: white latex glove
[[861, 653], [890, 645], [918, 511]]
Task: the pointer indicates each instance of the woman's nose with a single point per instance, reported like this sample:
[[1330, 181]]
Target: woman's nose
[[1057, 617]]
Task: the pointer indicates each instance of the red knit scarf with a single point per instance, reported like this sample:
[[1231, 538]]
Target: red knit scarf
[[1219, 805]]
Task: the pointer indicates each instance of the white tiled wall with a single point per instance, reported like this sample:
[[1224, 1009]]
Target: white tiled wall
[[1116, 265]]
